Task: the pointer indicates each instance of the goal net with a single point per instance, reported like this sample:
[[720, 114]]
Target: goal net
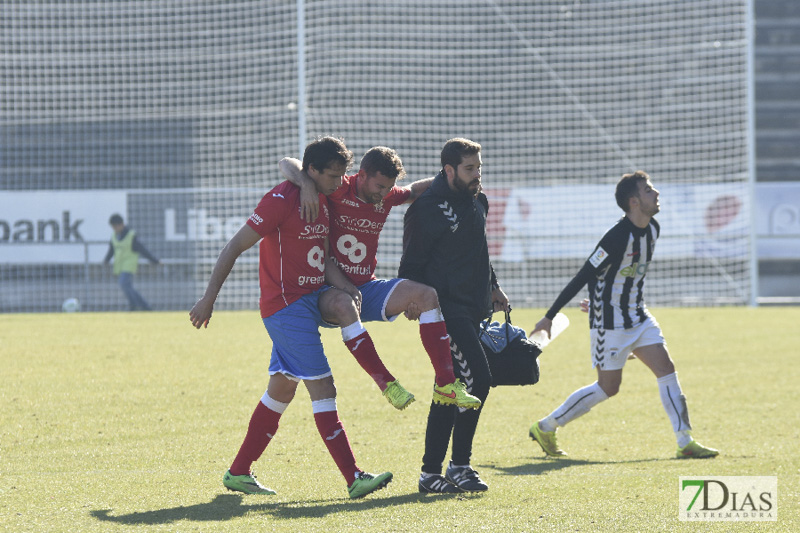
[[175, 115]]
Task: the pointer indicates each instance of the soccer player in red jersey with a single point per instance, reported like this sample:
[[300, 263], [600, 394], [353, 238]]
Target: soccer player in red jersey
[[293, 268], [359, 209]]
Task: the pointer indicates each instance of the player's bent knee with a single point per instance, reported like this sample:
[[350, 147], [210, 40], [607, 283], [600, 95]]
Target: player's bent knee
[[339, 305], [426, 297]]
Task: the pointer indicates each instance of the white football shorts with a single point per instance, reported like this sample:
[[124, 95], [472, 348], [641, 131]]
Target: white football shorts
[[611, 347]]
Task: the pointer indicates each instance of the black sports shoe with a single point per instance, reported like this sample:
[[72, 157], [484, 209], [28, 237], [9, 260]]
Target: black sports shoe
[[436, 483], [465, 478]]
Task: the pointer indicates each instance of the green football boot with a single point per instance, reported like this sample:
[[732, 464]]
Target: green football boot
[[455, 393], [695, 450], [366, 483], [547, 440], [246, 483], [397, 395]]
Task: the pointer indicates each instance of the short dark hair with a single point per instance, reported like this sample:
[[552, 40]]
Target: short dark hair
[[384, 160], [628, 187], [115, 220], [326, 152], [455, 149]]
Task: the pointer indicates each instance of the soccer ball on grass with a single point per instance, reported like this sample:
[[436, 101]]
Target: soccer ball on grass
[[71, 305]]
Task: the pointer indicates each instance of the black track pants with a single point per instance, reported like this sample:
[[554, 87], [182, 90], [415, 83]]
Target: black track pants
[[470, 366]]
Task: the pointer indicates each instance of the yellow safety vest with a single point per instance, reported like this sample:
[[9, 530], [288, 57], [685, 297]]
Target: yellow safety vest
[[125, 259]]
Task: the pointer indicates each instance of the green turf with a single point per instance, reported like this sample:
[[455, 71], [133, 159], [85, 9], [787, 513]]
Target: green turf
[[117, 422]]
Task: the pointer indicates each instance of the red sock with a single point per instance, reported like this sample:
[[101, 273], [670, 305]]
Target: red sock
[[437, 343], [333, 435], [263, 425], [364, 351]]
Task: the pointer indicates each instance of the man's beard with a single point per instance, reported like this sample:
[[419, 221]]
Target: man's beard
[[463, 188]]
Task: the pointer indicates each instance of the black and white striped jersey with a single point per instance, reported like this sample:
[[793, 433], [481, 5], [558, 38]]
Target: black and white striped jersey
[[615, 273]]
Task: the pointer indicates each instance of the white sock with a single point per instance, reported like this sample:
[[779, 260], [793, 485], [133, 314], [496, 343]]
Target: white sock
[[352, 331], [683, 438], [431, 316], [323, 406], [275, 405], [674, 403], [579, 403]]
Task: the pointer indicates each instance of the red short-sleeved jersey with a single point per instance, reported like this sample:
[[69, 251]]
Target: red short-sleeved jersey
[[355, 227], [292, 252]]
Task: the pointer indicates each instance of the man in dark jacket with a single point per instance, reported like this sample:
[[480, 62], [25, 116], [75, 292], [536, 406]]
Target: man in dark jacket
[[444, 246]]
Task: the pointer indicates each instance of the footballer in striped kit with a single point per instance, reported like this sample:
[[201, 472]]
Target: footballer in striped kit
[[620, 324]]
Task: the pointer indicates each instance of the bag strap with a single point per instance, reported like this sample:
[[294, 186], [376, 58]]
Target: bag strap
[[508, 321]]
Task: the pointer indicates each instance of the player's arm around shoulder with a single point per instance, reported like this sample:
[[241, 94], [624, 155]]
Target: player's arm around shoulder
[[292, 170], [417, 188]]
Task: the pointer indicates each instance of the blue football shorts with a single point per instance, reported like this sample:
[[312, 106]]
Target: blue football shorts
[[375, 295], [296, 343]]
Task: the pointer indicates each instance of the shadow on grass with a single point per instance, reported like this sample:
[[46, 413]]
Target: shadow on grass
[[552, 465], [228, 506]]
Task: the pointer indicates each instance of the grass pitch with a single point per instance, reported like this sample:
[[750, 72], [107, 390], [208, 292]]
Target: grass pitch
[[126, 422]]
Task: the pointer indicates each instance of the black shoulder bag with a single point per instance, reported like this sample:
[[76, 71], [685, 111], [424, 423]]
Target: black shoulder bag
[[513, 358]]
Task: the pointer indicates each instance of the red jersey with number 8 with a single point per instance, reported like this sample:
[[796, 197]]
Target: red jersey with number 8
[[356, 226], [292, 252]]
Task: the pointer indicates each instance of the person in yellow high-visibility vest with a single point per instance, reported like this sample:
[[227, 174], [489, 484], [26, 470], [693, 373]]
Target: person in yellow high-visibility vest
[[125, 248]]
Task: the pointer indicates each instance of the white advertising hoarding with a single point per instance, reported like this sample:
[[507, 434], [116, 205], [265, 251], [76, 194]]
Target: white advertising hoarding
[[567, 221], [41, 227], [50, 226], [778, 220]]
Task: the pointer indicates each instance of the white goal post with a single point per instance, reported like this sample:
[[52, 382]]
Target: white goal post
[[175, 115]]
